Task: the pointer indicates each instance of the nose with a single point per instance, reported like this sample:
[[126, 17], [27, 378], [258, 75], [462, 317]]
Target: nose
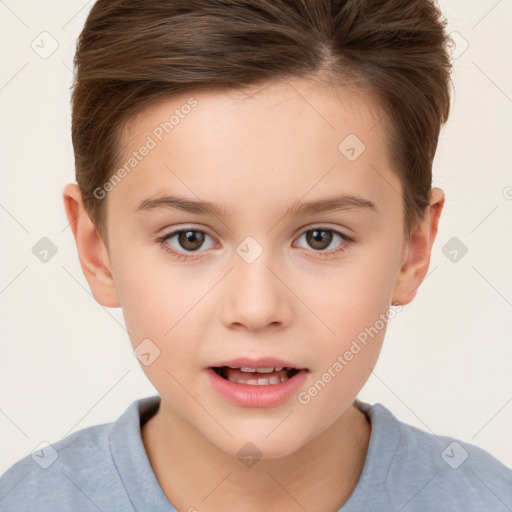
[[256, 296]]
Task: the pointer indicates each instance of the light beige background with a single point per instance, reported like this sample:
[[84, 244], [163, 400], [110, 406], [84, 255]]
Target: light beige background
[[66, 362]]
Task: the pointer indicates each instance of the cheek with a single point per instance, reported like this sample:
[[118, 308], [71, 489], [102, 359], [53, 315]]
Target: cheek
[[155, 296], [349, 298], [162, 318], [355, 307], [353, 304]]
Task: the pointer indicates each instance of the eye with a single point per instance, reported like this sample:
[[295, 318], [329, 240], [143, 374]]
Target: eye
[[188, 240], [320, 238]]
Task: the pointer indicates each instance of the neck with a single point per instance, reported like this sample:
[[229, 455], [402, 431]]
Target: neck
[[320, 476]]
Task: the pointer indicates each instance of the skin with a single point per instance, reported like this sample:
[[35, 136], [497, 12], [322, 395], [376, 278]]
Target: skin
[[257, 152]]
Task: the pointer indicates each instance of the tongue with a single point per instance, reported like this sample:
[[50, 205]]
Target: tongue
[[237, 374]]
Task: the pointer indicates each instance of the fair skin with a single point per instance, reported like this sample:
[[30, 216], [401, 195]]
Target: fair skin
[[257, 154]]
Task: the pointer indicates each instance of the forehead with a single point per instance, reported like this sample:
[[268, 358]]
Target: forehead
[[264, 106], [285, 140]]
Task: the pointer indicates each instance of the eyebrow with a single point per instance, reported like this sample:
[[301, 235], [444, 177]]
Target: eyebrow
[[343, 202]]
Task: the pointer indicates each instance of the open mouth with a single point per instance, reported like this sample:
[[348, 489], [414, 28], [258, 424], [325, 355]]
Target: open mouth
[[256, 376]]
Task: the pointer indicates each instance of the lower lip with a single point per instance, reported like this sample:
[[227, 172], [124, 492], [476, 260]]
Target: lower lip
[[248, 395]]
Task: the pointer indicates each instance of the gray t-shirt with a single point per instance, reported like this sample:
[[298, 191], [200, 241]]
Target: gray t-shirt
[[106, 468]]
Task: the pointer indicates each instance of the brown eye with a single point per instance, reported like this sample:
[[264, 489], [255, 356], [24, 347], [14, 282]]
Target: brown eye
[[322, 242], [319, 239], [191, 240], [185, 242]]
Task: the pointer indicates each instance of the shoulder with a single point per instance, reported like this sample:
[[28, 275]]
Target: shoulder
[[425, 469], [460, 469], [75, 473]]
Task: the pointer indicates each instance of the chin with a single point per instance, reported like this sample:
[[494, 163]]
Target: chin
[[262, 446]]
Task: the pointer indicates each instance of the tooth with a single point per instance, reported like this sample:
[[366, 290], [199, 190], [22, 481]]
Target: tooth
[[278, 369], [264, 370], [262, 381], [248, 369]]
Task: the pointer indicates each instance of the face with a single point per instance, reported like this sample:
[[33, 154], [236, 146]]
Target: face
[[260, 277]]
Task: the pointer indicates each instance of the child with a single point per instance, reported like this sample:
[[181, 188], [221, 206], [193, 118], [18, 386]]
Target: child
[[256, 177]]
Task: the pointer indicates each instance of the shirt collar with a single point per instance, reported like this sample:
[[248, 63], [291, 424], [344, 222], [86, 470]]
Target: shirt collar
[[144, 491], [131, 460]]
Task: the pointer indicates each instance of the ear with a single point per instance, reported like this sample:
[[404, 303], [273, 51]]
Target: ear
[[92, 252], [418, 251]]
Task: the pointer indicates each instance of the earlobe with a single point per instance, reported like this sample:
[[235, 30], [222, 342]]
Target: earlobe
[[419, 249], [92, 253]]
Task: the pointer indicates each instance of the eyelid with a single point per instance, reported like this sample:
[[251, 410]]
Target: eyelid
[[325, 225]]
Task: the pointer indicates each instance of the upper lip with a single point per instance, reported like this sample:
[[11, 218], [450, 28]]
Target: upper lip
[[261, 362]]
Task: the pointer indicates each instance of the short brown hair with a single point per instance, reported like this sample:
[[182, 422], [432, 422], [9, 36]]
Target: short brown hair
[[133, 53]]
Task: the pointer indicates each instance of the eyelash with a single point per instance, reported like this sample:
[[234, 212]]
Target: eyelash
[[345, 244]]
